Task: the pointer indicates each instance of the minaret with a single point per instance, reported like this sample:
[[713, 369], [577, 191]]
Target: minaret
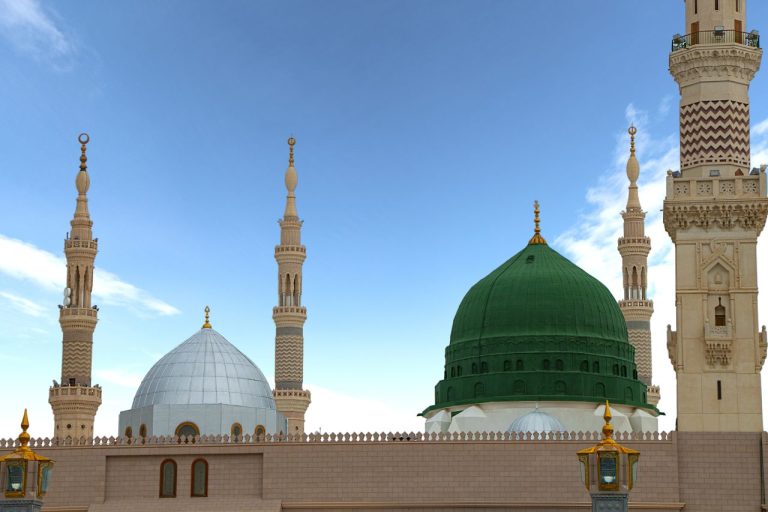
[[75, 401], [289, 315], [634, 247], [714, 210]]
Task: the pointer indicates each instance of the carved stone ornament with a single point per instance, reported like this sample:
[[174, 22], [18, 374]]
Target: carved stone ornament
[[736, 62], [750, 216]]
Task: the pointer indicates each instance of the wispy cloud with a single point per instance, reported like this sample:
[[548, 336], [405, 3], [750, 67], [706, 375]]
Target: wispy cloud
[[24, 261], [31, 28], [591, 242], [23, 305], [120, 378]]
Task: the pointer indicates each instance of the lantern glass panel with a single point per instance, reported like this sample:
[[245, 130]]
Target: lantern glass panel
[[14, 481], [43, 478], [608, 471]]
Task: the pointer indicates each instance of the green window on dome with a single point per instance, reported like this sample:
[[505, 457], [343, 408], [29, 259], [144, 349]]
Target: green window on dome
[[596, 367], [507, 365], [560, 388], [615, 369], [634, 374], [559, 365], [519, 387], [545, 364], [479, 389], [584, 367], [600, 389], [449, 394], [484, 367], [628, 395], [623, 371], [458, 370], [474, 368], [453, 372], [520, 366]]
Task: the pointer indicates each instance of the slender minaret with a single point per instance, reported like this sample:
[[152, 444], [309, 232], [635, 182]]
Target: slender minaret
[[715, 208], [289, 315], [75, 401], [634, 247]]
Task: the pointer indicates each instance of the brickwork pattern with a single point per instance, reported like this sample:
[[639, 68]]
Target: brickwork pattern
[[641, 340], [714, 132]]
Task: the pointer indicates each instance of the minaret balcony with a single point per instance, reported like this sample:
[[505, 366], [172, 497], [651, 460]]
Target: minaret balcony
[[72, 243], [643, 240], [78, 390], [714, 186], [750, 39], [75, 311], [636, 304]]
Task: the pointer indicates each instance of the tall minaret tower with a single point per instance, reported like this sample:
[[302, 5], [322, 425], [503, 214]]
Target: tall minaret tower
[[289, 315], [714, 210], [634, 247], [75, 401]]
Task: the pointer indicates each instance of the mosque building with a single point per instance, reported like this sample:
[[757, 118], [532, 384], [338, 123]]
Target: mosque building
[[536, 348]]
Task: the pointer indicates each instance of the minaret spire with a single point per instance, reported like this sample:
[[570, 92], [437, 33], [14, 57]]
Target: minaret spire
[[537, 239], [75, 401], [289, 315], [634, 248]]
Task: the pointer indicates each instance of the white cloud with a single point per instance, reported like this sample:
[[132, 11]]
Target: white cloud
[[23, 305], [31, 28], [24, 261], [591, 242], [120, 378]]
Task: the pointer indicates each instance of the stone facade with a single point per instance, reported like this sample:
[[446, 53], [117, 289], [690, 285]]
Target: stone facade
[[695, 472]]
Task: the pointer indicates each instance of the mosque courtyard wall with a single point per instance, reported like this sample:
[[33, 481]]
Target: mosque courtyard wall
[[678, 471]]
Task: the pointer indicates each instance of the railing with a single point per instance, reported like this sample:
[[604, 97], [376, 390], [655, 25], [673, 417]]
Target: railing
[[751, 39]]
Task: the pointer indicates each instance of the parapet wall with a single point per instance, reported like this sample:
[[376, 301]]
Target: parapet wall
[[492, 471]]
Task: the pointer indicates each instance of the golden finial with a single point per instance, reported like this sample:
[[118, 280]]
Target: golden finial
[[83, 139], [607, 428], [207, 324], [24, 436], [632, 132], [291, 143], [537, 239]]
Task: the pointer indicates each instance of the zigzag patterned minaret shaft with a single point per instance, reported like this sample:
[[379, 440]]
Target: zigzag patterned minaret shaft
[[289, 315], [634, 247], [714, 210], [74, 400]]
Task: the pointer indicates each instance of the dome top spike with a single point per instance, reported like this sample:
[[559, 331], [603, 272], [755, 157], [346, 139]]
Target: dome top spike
[[537, 239]]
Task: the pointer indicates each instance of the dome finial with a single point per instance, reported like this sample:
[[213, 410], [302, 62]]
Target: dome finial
[[632, 132], [537, 239], [83, 139], [207, 324], [24, 436]]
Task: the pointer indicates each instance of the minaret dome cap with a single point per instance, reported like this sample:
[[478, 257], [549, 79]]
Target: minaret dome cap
[[83, 182], [291, 178], [633, 166]]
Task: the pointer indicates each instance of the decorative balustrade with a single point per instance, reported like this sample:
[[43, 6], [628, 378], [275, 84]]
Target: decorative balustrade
[[74, 391], [750, 39], [339, 438]]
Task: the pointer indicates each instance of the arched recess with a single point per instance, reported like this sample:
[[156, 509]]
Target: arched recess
[[199, 479], [168, 478], [643, 283], [187, 429]]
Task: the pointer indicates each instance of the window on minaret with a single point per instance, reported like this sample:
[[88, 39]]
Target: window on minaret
[[738, 5], [717, 5], [720, 313], [695, 6]]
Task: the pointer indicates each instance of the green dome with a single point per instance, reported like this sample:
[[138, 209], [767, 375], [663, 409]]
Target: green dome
[[539, 328], [538, 292]]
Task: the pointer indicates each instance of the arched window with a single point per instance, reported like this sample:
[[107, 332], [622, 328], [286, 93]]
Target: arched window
[[559, 365], [628, 395], [560, 388], [623, 371], [479, 389], [453, 372], [584, 367], [168, 479], [507, 365], [458, 371], [596, 367], [519, 387], [449, 394], [519, 366], [187, 429], [615, 369], [128, 432], [260, 432], [474, 367], [236, 430], [644, 400], [199, 479], [545, 364], [720, 313], [634, 374], [600, 389], [484, 367], [143, 431]]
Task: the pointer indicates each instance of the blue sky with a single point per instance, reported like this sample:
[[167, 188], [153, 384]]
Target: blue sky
[[425, 131]]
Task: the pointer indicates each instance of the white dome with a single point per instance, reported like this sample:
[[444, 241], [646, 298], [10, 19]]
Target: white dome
[[536, 421], [205, 369]]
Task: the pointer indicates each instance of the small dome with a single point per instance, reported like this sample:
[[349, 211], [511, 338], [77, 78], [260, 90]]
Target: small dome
[[205, 369], [536, 421]]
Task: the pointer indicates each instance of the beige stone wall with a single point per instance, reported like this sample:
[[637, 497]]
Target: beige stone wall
[[701, 471]]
